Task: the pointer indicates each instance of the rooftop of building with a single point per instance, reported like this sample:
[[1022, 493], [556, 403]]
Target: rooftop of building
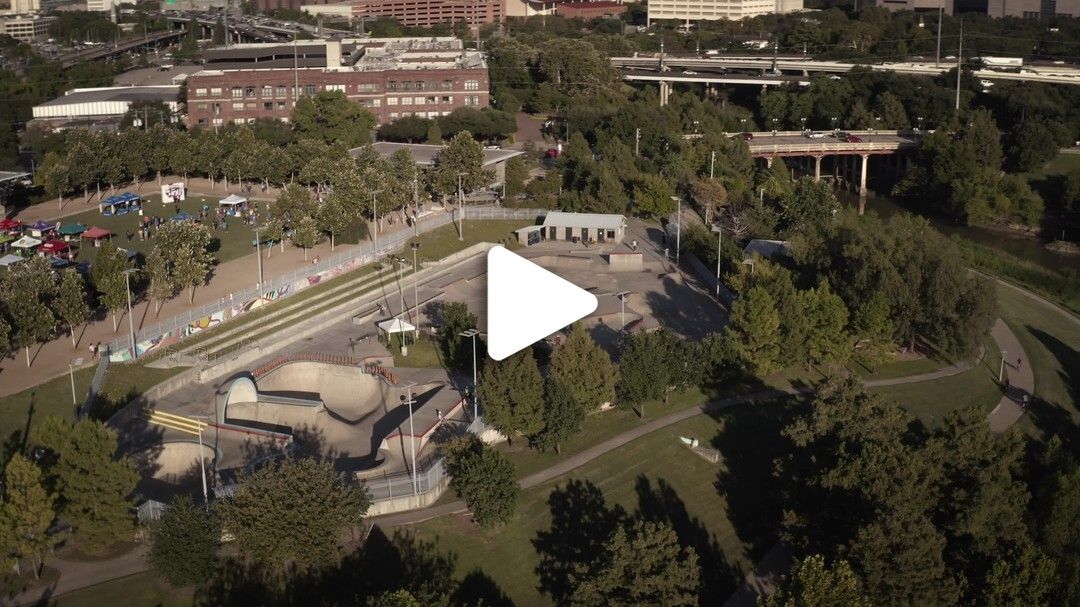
[[601, 221], [424, 154], [357, 54], [117, 93]]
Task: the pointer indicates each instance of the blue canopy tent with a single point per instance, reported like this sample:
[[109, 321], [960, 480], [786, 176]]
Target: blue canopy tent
[[120, 204], [181, 216]]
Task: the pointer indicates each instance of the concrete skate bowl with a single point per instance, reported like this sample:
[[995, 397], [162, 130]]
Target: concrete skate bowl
[[172, 468], [346, 391]]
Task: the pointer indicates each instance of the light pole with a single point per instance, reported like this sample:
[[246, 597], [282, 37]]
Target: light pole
[[409, 402], [719, 247], [131, 318], [678, 227], [402, 263], [416, 300], [258, 255], [712, 163], [461, 207], [202, 460], [1001, 367], [375, 221], [75, 362], [471, 334], [622, 308]]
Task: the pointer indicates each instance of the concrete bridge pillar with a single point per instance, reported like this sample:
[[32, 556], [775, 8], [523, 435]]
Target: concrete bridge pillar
[[768, 162], [665, 92], [817, 168], [862, 182]]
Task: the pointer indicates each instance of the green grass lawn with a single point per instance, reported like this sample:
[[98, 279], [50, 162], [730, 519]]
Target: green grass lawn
[[443, 241], [24, 409], [655, 475], [1052, 345], [226, 244], [424, 353], [139, 589]]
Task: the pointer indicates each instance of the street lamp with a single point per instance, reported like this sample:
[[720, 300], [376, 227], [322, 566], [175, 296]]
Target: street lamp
[[402, 263], [1001, 367], [187, 425], [920, 119], [461, 207], [416, 300], [774, 127], [375, 220], [75, 362], [678, 227], [719, 247], [202, 458], [258, 255], [409, 402], [712, 164], [131, 318], [471, 334], [622, 307], [803, 121], [833, 119]]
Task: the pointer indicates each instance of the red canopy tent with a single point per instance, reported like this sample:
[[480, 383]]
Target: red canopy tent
[[96, 233], [54, 246], [10, 224]]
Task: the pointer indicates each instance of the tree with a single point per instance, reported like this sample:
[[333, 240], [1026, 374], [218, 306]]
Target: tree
[[398, 598], [981, 139], [28, 288], [516, 172], [434, 134], [94, 485], [753, 330], [462, 158], [27, 513], [329, 116], [1022, 577], [892, 112], [827, 340], [809, 201], [71, 304], [306, 234], [54, 174], [575, 66], [640, 564], [456, 318], [651, 364], [484, 478], [563, 415], [584, 369], [107, 275], [292, 512], [1059, 532], [512, 393], [710, 195], [811, 584], [184, 543], [653, 196], [1033, 144], [184, 249]]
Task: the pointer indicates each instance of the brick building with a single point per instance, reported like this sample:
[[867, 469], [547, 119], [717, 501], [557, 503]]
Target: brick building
[[589, 10], [391, 77], [414, 13]]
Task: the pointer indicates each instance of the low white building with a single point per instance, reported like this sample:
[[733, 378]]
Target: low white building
[[105, 102], [583, 227]]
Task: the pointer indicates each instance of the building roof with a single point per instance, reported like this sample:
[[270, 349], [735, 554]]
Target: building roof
[[424, 154], [163, 93], [12, 176], [584, 220], [767, 248]]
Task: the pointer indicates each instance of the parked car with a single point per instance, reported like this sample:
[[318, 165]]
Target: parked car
[[853, 139], [747, 136], [814, 135], [690, 73], [552, 153]]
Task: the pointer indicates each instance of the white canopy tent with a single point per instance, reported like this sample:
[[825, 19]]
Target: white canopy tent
[[395, 325], [232, 200], [26, 242], [10, 260]]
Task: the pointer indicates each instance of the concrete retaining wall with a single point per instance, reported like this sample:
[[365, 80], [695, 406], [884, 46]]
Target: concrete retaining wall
[[707, 276], [409, 501]]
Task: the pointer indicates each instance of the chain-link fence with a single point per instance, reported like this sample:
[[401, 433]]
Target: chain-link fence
[[356, 256], [428, 477]]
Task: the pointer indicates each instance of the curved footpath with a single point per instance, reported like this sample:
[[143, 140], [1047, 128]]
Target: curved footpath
[[77, 575]]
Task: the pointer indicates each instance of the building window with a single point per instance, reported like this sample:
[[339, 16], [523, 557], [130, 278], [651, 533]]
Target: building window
[[281, 91], [215, 91], [406, 101], [472, 100], [237, 92], [391, 85], [251, 105], [472, 85], [309, 90], [202, 122], [391, 101], [281, 105], [239, 121], [393, 115], [203, 106], [367, 88], [217, 109], [238, 107], [432, 100], [420, 85], [447, 85], [200, 92], [336, 87], [447, 99], [376, 102], [249, 91], [218, 122], [267, 91], [419, 101], [268, 105]]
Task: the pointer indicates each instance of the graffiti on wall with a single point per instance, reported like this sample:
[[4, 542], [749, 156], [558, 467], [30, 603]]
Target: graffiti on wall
[[212, 320]]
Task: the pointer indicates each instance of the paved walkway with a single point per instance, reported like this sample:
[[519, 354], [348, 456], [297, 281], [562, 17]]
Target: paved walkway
[[1021, 379]]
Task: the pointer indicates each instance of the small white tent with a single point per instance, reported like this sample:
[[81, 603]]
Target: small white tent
[[26, 242], [232, 200], [395, 325]]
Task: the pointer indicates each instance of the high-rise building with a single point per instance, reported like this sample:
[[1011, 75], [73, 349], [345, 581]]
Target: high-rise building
[[1033, 9], [26, 28], [715, 10], [414, 13], [22, 7], [99, 6], [922, 6], [391, 77]]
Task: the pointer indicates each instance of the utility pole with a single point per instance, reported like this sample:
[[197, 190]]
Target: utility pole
[[461, 208], [258, 255], [719, 248], [131, 317], [959, 58], [412, 436], [712, 163], [637, 141], [375, 226], [678, 230], [416, 300]]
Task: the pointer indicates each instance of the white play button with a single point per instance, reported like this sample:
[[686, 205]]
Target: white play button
[[526, 303]]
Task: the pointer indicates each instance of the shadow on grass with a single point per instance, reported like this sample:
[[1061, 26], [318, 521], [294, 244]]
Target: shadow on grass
[[1057, 418], [749, 442]]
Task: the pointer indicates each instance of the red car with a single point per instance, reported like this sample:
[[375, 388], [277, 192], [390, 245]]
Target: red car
[[552, 153], [747, 136], [853, 139]]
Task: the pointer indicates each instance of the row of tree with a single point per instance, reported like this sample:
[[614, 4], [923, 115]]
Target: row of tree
[[35, 302]]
